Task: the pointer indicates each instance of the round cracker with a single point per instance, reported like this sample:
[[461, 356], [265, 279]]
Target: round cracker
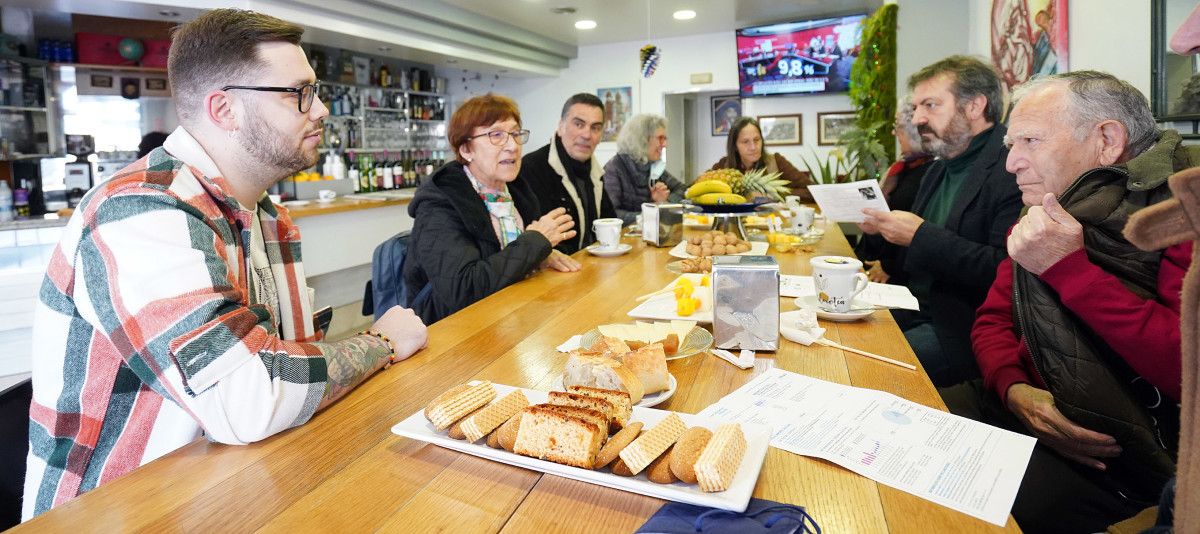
[[506, 435], [686, 451], [659, 471], [493, 439], [620, 469], [615, 444]]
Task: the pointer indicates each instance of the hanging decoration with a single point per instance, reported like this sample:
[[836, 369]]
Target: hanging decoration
[[873, 78], [650, 57]]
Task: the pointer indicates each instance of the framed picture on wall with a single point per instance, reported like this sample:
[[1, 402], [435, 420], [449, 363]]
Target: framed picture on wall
[[778, 130], [618, 107], [831, 125], [725, 111]]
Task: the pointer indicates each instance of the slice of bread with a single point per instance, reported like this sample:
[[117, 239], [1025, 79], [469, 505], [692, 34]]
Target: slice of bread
[[649, 363], [622, 404], [457, 402], [548, 433], [476, 426], [602, 372], [721, 458], [565, 398], [650, 445]]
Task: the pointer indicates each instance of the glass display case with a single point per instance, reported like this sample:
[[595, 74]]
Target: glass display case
[[26, 129]]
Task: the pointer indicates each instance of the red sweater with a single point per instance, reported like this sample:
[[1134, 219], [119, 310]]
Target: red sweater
[[1144, 332]]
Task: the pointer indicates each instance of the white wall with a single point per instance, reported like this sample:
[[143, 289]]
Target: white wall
[[929, 30]]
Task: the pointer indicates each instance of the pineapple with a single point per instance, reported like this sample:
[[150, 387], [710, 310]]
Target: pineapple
[[754, 183]]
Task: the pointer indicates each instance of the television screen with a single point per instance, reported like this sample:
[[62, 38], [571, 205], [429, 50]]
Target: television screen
[[798, 57]]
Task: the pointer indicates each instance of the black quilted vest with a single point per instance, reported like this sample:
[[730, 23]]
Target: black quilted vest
[[1091, 384]]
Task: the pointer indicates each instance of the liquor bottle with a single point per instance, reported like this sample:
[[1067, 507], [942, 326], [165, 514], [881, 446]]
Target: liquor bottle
[[385, 76], [380, 179], [429, 166], [410, 174], [367, 173], [398, 171], [353, 172], [389, 179]]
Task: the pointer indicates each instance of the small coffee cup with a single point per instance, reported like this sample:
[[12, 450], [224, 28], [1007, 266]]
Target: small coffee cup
[[838, 280], [608, 232], [326, 195], [802, 218]]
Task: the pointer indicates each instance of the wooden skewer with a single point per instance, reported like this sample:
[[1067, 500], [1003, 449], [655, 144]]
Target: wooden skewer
[[829, 343], [654, 294]]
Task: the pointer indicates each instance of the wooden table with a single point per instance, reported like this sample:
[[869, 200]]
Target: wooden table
[[345, 472]]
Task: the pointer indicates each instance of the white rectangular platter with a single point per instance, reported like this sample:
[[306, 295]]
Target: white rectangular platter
[[757, 248], [735, 498], [662, 306]]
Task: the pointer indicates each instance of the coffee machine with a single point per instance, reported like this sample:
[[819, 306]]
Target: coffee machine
[[78, 178]]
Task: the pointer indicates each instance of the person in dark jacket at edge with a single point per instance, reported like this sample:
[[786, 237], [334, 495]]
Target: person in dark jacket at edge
[[1079, 340], [476, 230], [563, 174], [900, 185], [954, 235]]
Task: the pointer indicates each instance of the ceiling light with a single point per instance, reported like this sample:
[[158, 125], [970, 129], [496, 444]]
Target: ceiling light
[[684, 14], [585, 24], [451, 61], [168, 13], [562, 10], [385, 49]]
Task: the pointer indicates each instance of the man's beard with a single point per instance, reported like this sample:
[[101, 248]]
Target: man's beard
[[271, 147], [953, 140]]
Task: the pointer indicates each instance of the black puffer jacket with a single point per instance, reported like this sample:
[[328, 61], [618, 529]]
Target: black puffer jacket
[[454, 249]]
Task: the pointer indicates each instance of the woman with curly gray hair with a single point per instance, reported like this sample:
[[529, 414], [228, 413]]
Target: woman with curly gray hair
[[637, 174]]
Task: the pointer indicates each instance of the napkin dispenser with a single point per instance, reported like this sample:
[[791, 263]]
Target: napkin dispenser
[[745, 302], [662, 224]]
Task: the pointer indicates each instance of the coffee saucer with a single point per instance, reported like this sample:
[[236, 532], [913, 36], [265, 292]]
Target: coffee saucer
[[858, 310], [597, 250]]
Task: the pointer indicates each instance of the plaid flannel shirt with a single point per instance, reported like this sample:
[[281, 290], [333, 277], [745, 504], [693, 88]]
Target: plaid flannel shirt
[[144, 335]]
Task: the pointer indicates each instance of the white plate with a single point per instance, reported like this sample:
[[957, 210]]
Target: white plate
[[296, 203], [661, 307], [735, 498], [648, 401], [858, 310], [757, 248], [595, 250]]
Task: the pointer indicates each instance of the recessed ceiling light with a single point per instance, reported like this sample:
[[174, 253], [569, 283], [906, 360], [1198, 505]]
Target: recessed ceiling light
[[168, 13], [385, 49], [684, 14], [585, 24], [562, 10]]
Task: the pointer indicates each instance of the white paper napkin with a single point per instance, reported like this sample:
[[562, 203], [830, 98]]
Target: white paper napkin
[[571, 344], [800, 326], [745, 360]]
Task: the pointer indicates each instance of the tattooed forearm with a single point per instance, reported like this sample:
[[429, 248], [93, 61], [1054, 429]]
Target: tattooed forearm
[[350, 361]]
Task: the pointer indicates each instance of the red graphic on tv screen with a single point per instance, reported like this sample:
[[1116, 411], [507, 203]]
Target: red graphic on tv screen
[[801, 57]]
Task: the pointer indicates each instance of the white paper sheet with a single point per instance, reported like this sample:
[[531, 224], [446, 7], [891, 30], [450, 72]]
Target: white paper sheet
[[886, 295], [962, 464], [845, 202]]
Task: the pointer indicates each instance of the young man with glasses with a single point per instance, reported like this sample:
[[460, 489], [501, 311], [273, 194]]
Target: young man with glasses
[[175, 305], [563, 174]]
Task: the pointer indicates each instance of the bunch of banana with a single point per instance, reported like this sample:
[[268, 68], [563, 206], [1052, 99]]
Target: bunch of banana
[[705, 187], [720, 198]]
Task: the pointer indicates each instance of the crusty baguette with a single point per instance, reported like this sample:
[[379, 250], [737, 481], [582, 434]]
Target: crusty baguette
[[650, 445], [721, 458], [457, 402], [649, 363], [602, 372], [475, 427]]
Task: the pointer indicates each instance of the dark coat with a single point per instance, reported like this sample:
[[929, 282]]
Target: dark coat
[[875, 247], [963, 255], [543, 172], [454, 247], [798, 180], [628, 185]]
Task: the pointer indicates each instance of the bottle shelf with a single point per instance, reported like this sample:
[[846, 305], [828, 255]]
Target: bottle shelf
[[390, 89], [22, 108]]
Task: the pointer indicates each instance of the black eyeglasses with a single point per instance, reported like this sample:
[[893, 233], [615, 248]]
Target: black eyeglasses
[[305, 93], [498, 137]]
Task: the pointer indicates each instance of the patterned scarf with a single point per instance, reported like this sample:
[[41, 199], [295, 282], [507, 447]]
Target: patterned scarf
[[506, 221]]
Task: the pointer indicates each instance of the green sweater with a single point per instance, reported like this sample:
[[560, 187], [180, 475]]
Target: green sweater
[[937, 210]]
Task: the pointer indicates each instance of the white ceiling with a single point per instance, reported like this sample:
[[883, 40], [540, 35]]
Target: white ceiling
[[632, 20]]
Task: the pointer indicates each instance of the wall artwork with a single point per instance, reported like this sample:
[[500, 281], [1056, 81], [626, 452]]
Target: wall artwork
[[1029, 38], [618, 107], [725, 111], [778, 130], [831, 126]]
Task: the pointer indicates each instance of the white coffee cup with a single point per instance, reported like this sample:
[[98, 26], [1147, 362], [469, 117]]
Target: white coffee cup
[[802, 218], [608, 232], [838, 280], [326, 195]]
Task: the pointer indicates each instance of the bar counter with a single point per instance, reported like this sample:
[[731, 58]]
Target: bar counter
[[345, 472]]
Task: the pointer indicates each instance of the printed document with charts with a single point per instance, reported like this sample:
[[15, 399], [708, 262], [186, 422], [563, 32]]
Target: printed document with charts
[[845, 202], [953, 461]]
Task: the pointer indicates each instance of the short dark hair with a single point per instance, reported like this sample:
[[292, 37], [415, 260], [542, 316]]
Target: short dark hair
[[581, 98], [219, 48], [479, 111], [972, 77]]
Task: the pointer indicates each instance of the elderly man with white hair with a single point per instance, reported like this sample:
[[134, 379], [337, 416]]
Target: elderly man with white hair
[[1078, 340]]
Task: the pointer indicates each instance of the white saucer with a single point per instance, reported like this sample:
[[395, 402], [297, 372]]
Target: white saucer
[[323, 201], [858, 310], [597, 250], [648, 401], [295, 203]]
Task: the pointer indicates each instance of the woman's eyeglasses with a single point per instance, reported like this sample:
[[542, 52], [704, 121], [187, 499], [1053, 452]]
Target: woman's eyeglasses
[[498, 137], [305, 93]]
